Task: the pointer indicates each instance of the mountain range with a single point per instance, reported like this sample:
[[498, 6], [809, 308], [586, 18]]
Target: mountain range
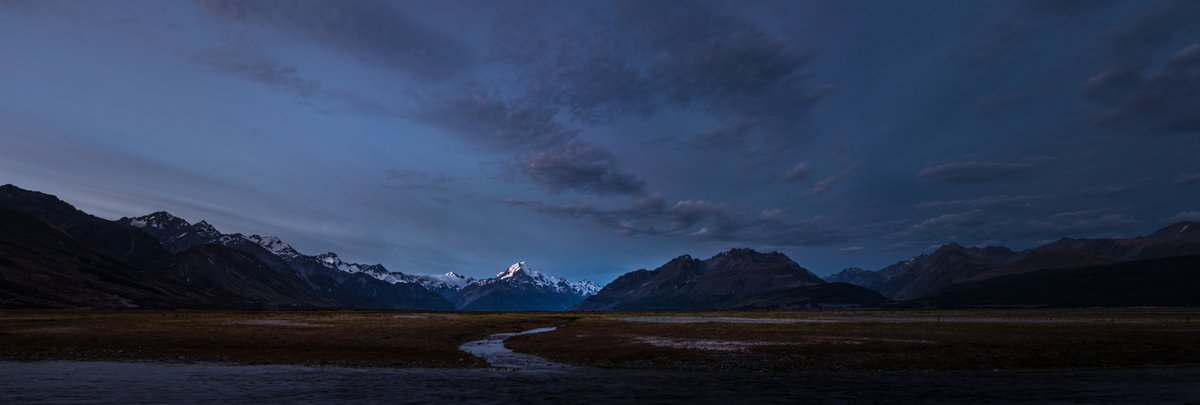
[[946, 275], [53, 255], [229, 270]]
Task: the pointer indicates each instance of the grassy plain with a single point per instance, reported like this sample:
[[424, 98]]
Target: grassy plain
[[751, 341], [339, 338], [877, 340]]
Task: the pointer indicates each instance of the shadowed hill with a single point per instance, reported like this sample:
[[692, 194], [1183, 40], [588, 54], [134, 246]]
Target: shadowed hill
[[43, 267], [953, 265], [737, 279], [1173, 281]]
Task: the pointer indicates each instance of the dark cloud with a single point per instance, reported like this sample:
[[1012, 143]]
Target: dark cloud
[[999, 100], [733, 135], [1066, 6], [987, 226], [702, 220], [640, 57], [1114, 82], [246, 62], [579, 166], [375, 32], [1149, 81], [1082, 222], [1029, 20], [974, 171], [852, 250], [631, 60], [796, 173], [548, 153], [1109, 190], [1148, 31], [1187, 179], [1166, 99], [1184, 216], [996, 42], [949, 224], [481, 115], [257, 67], [827, 183], [993, 202], [412, 180], [743, 71]]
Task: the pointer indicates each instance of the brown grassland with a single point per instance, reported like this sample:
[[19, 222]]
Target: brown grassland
[[862, 341], [333, 338], [796, 341]]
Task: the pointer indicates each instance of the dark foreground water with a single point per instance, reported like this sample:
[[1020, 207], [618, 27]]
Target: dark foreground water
[[107, 382]]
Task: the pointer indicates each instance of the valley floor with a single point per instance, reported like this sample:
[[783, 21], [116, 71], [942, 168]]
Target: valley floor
[[1078, 355], [751, 341], [1031, 339]]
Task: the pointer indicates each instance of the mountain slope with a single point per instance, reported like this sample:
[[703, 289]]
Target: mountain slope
[[322, 280], [362, 290], [951, 264], [175, 234], [222, 269], [739, 278], [859, 277], [831, 295], [448, 285], [1179, 239], [947, 265], [128, 244], [43, 267], [1173, 281]]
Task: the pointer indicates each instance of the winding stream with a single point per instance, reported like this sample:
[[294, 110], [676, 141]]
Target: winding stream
[[493, 351]]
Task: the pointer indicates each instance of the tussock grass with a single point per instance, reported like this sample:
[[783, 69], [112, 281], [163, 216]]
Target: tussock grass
[[805, 341], [880, 340], [360, 339]]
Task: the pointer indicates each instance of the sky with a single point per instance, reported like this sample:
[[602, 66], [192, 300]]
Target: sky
[[593, 138]]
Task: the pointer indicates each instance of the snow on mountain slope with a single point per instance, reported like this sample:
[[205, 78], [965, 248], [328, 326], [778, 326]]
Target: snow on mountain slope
[[520, 272], [585, 287], [449, 280], [274, 245], [331, 260], [177, 234], [157, 220]]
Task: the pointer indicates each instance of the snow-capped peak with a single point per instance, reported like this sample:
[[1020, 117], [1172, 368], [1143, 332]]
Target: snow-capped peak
[[274, 245], [585, 287], [330, 259], [451, 280], [158, 220], [520, 272], [203, 228], [515, 270]]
